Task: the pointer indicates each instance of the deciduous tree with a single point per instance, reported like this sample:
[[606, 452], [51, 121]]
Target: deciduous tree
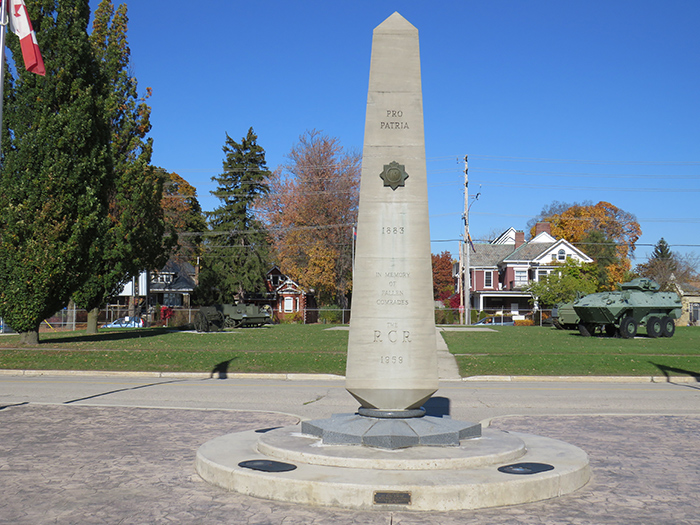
[[183, 214], [618, 227], [56, 169], [310, 212], [443, 282], [667, 267], [563, 285], [135, 239]]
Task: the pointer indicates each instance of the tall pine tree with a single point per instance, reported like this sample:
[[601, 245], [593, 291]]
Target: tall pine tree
[[238, 254], [135, 239], [56, 169]]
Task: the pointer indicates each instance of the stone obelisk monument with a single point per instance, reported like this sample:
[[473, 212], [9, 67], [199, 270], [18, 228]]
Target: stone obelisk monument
[[392, 358], [391, 455]]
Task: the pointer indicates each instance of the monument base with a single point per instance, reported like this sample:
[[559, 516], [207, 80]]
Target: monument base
[[390, 432], [498, 468]]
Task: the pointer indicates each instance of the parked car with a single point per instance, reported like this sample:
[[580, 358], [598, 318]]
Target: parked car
[[496, 320], [125, 322]]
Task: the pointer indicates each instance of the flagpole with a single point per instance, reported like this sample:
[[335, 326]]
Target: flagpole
[[3, 28]]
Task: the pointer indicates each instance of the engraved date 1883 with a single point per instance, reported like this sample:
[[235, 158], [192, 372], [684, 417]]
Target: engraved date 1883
[[393, 230]]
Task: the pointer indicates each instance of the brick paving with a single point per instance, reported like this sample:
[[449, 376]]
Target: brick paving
[[84, 465]]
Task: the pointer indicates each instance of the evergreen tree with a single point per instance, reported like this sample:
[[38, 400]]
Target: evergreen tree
[[670, 268], [662, 250], [56, 169], [238, 254], [135, 240]]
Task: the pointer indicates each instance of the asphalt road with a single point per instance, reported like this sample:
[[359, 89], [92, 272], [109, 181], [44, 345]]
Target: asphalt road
[[474, 401]]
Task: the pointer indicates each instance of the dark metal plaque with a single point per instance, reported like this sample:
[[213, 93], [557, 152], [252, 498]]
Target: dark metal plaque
[[265, 465], [394, 175], [525, 468], [392, 498]]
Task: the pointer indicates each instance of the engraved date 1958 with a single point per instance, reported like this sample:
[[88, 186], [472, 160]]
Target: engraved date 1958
[[392, 230]]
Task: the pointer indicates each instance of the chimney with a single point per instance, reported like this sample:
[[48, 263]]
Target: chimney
[[543, 227], [519, 239]]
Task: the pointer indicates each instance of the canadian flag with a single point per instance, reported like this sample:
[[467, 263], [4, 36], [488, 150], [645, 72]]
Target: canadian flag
[[22, 27]]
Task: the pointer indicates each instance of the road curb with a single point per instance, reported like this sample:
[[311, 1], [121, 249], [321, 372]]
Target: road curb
[[334, 377], [172, 375]]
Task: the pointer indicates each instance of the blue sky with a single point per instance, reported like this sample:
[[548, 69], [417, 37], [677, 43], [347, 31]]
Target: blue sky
[[551, 100]]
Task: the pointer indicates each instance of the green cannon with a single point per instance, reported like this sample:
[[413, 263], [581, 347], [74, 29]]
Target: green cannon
[[221, 316], [637, 303]]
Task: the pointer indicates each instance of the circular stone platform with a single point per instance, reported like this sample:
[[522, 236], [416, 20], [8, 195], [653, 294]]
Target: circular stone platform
[[419, 478]]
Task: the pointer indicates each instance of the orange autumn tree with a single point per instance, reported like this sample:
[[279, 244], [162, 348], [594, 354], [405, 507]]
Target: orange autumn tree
[[183, 214], [310, 212], [603, 231]]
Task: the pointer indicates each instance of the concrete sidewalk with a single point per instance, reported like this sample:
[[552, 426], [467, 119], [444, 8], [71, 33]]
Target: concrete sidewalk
[[80, 464]]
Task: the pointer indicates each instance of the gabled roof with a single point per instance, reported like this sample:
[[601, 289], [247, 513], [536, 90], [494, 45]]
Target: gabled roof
[[502, 249], [507, 237], [489, 255], [529, 251], [289, 286], [182, 282]]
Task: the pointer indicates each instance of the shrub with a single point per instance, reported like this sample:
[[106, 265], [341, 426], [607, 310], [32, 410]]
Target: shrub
[[330, 316]]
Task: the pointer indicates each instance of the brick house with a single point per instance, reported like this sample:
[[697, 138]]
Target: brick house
[[289, 299], [500, 270]]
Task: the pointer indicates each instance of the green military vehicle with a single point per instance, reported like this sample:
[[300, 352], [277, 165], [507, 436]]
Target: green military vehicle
[[564, 317], [637, 303], [220, 316]]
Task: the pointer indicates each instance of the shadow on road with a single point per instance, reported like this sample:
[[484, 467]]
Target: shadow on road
[[668, 370]]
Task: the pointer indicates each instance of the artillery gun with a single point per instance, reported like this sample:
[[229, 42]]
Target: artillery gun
[[637, 303], [220, 316]]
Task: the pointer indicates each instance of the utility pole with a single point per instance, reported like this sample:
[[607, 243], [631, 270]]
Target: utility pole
[[467, 287]]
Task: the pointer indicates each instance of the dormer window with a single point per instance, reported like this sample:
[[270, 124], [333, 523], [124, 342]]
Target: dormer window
[[561, 255]]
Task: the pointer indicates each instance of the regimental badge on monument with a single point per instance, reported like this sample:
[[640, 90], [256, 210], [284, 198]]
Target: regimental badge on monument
[[394, 175]]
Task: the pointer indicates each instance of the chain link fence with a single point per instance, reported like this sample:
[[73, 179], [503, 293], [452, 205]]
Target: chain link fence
[[70, 319]]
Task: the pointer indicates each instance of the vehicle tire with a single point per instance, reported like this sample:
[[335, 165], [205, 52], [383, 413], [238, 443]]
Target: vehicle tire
[[611, 330], [628, 328], [586, 330], [668, 327], [654, 327]]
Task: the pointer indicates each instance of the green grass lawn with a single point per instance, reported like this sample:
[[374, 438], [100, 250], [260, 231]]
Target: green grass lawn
[[314, 349], [280, 348], [527, 350]]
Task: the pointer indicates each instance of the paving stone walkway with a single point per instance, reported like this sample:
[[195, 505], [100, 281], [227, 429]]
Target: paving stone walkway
[[85, 465]]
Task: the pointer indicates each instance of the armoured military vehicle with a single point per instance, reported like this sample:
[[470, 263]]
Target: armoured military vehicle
[[637, 303], [564, 317], [220, 316]]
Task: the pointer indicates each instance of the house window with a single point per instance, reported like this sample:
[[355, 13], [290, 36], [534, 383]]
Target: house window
[[288, 304], [488, 279], [554, 256], [562, 255], [541, 274], [520, 277]]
